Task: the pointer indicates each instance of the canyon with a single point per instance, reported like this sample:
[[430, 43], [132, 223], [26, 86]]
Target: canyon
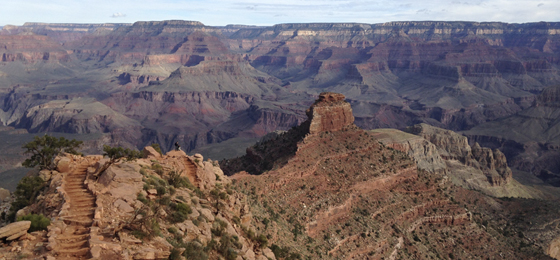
[[325, 189], [205, 86]]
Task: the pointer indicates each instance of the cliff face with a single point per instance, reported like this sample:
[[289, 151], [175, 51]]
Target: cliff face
[[329, 113], [453, 146], [533, 144], [31, 49], [424, 153]]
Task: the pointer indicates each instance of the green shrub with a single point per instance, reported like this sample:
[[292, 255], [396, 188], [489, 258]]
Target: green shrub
[[262, 240], [27, 190], [178, 181], [139, 234], [180, 213], [142, 198], [157, 168], [184, 208], [38, 222], [195, 251], [226, 247], [219, 227], [175, 254], [161, 190]]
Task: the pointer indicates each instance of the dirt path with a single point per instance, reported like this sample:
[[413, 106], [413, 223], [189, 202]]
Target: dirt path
[[73, 242]]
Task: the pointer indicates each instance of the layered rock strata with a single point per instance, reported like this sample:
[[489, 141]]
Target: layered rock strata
[[453, 146], [329, 113]]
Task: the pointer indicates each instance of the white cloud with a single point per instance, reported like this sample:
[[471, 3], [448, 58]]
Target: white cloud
[[118, 15]]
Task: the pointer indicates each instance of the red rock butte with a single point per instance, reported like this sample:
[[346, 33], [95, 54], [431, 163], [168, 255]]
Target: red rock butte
[[329, 113]]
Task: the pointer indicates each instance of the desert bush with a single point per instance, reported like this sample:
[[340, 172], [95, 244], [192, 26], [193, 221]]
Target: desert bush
[[157, 168], [180, 213], [226, 247], [38, 222], [27, 190], [219, 227], [175, 254], [195, 251]]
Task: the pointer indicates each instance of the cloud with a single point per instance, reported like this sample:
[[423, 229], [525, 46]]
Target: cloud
[[117, 15], [541, 4]]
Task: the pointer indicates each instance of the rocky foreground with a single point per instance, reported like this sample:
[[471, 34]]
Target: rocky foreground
[[323, 190], [157, 207]]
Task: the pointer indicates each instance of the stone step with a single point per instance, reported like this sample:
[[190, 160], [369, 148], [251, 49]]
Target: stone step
[[73, 252], [76, 178], [72, 183], [74, 245], [80, 180], [76, 181], [74, 237], [84, 222], [85, 206], [80, 214], [80, 208], [79, 199], [77, 190]]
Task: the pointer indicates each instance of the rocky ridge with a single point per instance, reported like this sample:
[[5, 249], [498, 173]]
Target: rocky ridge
[[453, 146], [129, 210], [337, 193], [351, 197]]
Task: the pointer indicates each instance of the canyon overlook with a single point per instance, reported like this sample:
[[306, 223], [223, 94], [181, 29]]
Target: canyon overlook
[[217, 88], [324, 189]]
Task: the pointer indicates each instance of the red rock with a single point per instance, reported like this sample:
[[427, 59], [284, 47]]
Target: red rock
[[329, 113]]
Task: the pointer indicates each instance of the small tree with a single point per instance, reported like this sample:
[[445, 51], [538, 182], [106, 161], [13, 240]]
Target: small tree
[[44, 149], [117, 154]]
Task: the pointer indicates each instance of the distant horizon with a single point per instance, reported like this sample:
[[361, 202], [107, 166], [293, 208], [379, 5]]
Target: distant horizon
[[237, 24], [251, 12]]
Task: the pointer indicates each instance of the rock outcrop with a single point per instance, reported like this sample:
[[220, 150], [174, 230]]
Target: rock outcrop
[[329, 113], [15, 230], [484, 169], [333, 185], [426, 155], [453, 146]]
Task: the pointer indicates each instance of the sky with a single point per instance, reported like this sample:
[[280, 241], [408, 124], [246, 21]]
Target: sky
[[251, 12]]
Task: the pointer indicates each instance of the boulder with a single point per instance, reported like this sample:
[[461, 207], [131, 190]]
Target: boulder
[[150, 153], [123, 206], [64, 164], [15, 230]]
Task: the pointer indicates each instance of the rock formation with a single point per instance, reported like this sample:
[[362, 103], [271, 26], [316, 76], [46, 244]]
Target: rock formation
[[330, 113], [345, 195], [15, 230], [453, 146], [529, 138], [424, 153], [334, 193]]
